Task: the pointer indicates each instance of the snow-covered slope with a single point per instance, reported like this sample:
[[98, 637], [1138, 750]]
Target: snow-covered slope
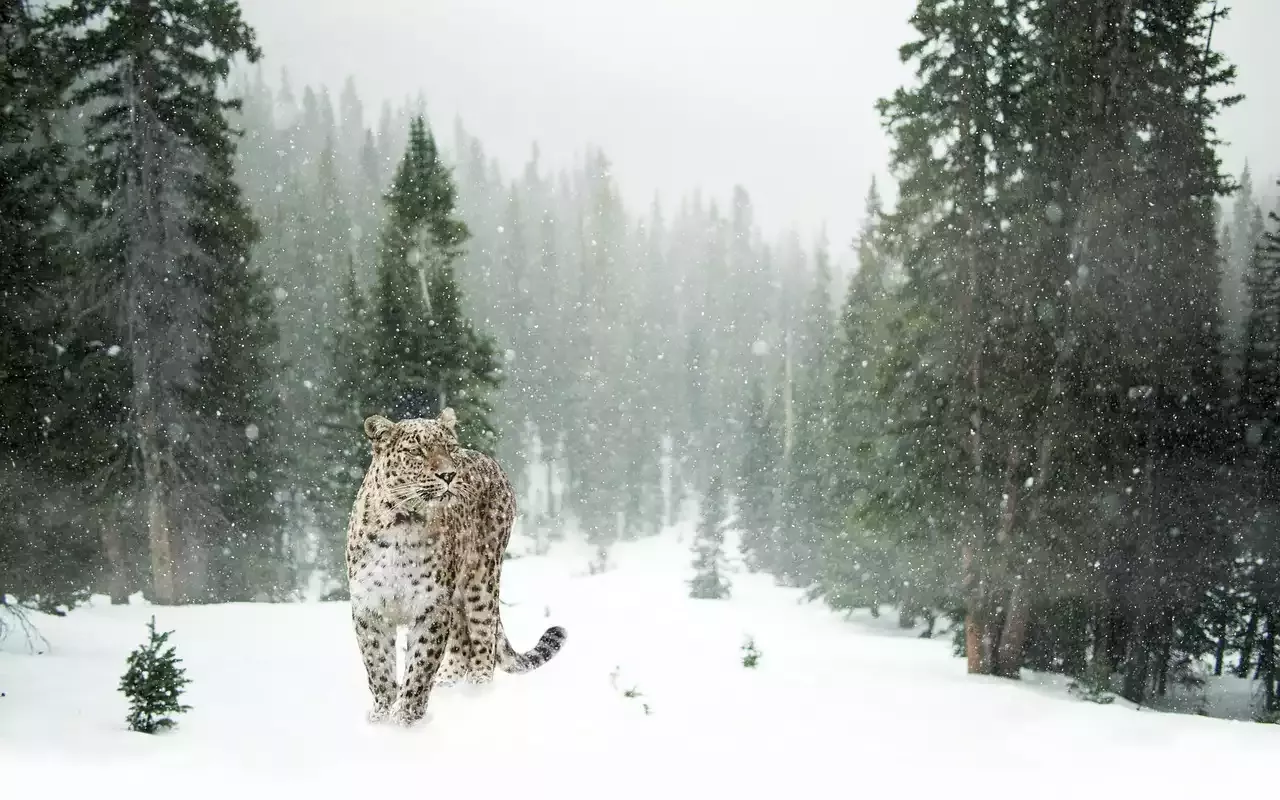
[[841, 708]]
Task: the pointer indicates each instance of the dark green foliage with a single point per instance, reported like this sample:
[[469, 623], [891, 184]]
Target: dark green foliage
[[1028, 414], [341, 428], [750, 655], [250, 559], [425, 353], [191, 408], [1095, 685], [154, 683], [49, 550], [709, 581]]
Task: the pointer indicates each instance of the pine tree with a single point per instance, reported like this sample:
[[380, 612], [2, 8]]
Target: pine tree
[[1055, 345], [1253, 591], [168, 264], [709, 582], [1260, 373], [759, 492], [341, 430], [810, 506], [426, 354], [46, 530], [1242, 236], [249, 557], [154, 682]]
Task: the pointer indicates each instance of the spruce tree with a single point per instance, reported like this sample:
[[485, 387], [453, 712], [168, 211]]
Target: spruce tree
[[709, 581], [425, 353], [810, 507], [1241, 237], [760, 486], [1253, 591], [1055, 346], [154, 682], [860, 562], [167, 263], [46, 527], [341, 431]]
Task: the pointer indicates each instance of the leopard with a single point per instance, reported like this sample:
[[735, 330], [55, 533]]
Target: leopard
[[426, 540]]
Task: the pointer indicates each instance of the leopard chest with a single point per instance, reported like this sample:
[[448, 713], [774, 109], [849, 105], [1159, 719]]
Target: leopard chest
[[399, 571]]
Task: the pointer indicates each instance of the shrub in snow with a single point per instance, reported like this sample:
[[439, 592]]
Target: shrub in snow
[[153, 683], [633, 693], [750, 655], [1095, 685]]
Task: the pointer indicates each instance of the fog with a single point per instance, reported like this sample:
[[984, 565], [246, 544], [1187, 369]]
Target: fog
[[778, 95]]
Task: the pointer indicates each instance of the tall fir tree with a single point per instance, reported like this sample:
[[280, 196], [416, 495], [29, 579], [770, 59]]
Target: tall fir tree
[[341, 428], [425, 353], [759, 495], [167, 272], [1055, 344]]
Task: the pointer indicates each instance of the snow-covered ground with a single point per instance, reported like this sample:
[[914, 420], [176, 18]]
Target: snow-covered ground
[[838, 708]]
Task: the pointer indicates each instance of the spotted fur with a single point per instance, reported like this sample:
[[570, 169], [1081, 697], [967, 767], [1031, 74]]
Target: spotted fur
[[424, 551]]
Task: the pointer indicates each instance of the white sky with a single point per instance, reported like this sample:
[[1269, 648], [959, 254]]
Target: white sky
[[777, 95]]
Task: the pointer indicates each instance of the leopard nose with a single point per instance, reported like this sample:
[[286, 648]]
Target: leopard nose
[[447, 477]]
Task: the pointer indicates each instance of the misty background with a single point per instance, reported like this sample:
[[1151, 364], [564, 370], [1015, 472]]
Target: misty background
[[683, 93]]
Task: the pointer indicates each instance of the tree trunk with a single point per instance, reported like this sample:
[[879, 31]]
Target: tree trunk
[[159, 518], [1162, 680], [1017, 615], [113, 550], [1136, 665], [1013, 637], [550, 461], [1220, 649], [981, 634], [1267, 665], [1247, 645]]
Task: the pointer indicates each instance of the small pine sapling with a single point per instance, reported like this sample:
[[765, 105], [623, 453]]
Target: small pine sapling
[[750, 655], [709, 562], [153, 683]]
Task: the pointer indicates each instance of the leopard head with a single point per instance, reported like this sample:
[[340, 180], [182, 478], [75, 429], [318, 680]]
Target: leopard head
[[414, 459]]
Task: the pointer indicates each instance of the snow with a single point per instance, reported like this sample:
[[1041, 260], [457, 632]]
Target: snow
[[847, 706]]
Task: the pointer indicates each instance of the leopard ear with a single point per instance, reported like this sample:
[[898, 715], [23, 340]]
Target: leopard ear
[[449, 419], [376, 427]]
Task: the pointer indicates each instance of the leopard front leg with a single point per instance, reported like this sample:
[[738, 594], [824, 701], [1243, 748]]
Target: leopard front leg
[[377, 640], [428, 634], [454, 667]]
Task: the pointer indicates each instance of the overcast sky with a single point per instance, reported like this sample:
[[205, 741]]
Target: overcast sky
[[777, 95]]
